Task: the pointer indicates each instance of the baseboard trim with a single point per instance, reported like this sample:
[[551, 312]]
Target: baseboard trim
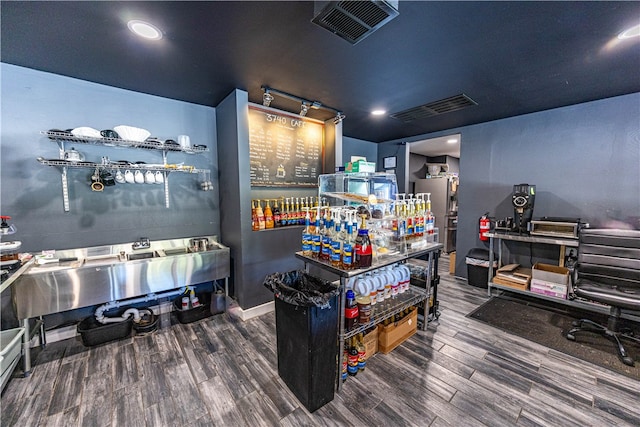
[[66, 332], [245, 314]]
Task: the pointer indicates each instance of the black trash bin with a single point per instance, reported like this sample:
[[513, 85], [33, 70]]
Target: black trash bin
[[478, 267], [307, 335]]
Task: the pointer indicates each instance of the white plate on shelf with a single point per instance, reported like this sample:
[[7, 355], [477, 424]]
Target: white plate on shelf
[[131, 133], [86, 132]]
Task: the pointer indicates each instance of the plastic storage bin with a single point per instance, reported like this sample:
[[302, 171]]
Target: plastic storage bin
[[193, 314], [478, 267], [94, 333], [306, 330]]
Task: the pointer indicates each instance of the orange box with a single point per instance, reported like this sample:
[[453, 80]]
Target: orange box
[[394, 334]]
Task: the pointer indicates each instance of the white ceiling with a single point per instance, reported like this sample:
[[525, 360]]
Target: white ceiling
[[437, 146]]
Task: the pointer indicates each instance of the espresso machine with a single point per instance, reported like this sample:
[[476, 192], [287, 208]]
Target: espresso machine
[[523, 198]]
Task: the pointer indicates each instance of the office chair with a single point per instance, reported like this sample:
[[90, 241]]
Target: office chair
[[609, 273]]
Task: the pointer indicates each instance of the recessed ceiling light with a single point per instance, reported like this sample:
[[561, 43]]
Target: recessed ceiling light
[[378, 112], [630, 32], [144, 29], [452, 141]]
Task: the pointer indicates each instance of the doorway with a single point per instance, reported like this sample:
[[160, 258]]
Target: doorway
[[434, 167]]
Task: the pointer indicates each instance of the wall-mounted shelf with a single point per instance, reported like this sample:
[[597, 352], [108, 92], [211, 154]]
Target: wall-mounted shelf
[[121, 166], [117, 142], [64, 165]]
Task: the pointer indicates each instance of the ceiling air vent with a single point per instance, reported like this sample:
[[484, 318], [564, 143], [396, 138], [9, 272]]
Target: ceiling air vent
[[435, 108], [354, 20]]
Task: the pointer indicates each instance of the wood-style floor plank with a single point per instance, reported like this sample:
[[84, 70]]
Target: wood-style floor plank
[[222, 371]]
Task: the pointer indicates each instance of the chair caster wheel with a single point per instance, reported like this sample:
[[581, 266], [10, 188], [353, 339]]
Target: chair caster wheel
[[571, 337], [628, 361], [576, 323]]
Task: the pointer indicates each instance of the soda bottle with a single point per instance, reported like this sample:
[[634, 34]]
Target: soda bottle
[[352, 362], [351, 310], [363, 249]]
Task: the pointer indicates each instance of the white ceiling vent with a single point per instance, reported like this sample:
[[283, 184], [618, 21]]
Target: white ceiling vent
[[354, 20]]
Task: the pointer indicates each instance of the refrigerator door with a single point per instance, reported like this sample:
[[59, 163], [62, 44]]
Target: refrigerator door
[[443, 207]]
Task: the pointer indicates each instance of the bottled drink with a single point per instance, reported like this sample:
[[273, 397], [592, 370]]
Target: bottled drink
[[419, 228], [306, 236], [347, 248], [345, 364], [316, 237], [254, 217], [352, 362], [260, 214], [276, 214], [268, 216], [336, 244], [284, 215], [351, 310], [409, 217], [362, 352], [363, 249], [327, 238], [431, 220]]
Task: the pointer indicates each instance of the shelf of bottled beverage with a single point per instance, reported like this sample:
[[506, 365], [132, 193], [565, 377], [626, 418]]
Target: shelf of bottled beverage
[[382, 261], [390, 308]]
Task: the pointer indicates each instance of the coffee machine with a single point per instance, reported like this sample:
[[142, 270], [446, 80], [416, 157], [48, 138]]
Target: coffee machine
[[522, 199]]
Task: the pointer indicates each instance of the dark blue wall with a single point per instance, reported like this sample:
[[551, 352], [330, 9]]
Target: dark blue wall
[[33, 101], [584, 160]]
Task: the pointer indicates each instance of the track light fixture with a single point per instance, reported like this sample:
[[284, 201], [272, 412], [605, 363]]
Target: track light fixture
[[267, 98], [305, 104]]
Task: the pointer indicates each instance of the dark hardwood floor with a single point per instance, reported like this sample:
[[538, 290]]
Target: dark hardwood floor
[[221, 371]]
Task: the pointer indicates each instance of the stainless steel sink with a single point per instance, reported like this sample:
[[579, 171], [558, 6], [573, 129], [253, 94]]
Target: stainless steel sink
[[142, 255], [176, 251], [116, 272]]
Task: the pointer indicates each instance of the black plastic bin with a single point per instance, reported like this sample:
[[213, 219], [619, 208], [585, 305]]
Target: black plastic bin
[[478, 267], [307, 334], [193, 314], [94, 333]]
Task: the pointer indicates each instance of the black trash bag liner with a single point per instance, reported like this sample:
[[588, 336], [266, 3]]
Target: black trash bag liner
[[300, 288]]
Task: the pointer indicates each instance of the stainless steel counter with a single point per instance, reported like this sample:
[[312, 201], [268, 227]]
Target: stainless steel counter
[[110, 273], [102, 274]]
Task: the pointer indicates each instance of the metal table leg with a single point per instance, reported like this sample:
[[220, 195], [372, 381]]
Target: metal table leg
[[26, 350]]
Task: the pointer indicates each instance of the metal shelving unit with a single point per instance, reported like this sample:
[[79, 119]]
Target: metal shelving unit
[[557, 241], [64, 165], [413, 296]]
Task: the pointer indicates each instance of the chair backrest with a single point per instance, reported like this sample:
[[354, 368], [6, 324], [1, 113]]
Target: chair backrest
[[610, 256]]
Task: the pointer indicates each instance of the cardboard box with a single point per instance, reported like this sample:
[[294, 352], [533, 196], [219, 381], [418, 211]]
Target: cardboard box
[[549, 288], [371, 343], [452, 263], [550, 273], [506, 282], [360, 166], [394, 334]]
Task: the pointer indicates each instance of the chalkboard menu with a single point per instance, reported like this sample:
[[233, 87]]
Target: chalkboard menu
[[284, 149]]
